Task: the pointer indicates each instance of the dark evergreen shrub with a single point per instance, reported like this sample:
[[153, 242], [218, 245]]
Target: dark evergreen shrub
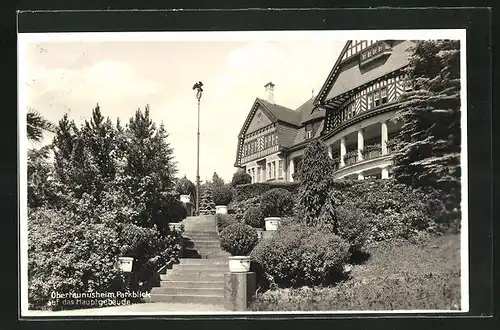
[[276, 202], [224, 220], [254, 217], [222, 195], [255, 190], [238, 239], [315, 181], [241, 177]]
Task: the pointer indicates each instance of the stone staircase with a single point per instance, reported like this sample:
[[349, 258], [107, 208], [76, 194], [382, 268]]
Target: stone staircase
[[199, 276]]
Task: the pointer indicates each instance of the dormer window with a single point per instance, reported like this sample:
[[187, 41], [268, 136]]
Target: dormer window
[[309, 131], [375, 51]]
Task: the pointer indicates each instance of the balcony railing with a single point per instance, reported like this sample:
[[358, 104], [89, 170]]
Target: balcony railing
[[372, 151], [336, 163], [351, 158]]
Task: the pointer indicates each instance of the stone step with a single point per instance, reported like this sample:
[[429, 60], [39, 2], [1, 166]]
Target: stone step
[[202, 236], [197, 299], [202, 245], [195, 270], [201, 268], [193, 284], [203, 262], [183, 276], [188, 291]]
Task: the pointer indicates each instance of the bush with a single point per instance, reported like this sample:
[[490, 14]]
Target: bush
[[255, 190], [238, 239], [354, 226], [222, 195], [241, 177], [436, 291], [185, 187], [276, 202], [68, 255], [297, 255], [223, 221], [254, 217], [238, 208], [171, 210], [150, 249]]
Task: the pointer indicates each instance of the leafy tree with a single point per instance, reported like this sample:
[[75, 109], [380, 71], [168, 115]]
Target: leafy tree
[[241, 177], [314, 182], [217, 180], [40, 190], [184, 186], [207, 204], [427, 149], [36, 125]]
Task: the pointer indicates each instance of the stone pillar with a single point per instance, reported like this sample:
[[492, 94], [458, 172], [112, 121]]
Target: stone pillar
[[291, 169], [342, 151], [385, 172], [361, 176], [330, 151], [239, 289], [383, 137], [361, 144]]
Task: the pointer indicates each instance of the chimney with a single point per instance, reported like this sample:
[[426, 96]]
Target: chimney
[[270, 92]]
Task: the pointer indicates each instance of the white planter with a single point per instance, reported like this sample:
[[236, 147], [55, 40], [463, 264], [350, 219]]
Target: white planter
[[239, 264], [175, 226], [272, 223], [221, 209], [125, 263], [185, 199]]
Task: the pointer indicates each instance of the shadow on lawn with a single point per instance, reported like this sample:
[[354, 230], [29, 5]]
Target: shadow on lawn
[[359, 257]]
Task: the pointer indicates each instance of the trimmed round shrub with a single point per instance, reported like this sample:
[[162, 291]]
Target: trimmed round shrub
[[354, 226], [298, 255], [254, 217], [238, 239], [241, 177], [224, 220], [276, 202], [222, 195]]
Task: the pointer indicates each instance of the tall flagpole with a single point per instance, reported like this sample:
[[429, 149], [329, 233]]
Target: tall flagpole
[[198, 165], [199, 91]]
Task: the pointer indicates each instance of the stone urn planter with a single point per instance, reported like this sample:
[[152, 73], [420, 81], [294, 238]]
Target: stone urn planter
[[186, 199], [259, 233], [175, 226], [125, 264], [272, 223], [239, 264], [221, 209]]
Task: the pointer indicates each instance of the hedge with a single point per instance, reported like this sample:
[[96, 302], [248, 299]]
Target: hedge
[[246, 191]]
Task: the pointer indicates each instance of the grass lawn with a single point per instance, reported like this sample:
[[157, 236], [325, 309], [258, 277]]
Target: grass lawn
[[396, 276]]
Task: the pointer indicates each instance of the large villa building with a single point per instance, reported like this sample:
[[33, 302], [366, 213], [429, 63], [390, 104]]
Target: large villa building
[[351, 114]]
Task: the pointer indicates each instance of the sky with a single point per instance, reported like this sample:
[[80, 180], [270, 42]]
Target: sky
[[72, 76]]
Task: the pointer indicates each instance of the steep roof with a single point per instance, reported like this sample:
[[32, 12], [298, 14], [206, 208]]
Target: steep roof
[[351, 75], [347, 75], [309, 112], [282, 113]]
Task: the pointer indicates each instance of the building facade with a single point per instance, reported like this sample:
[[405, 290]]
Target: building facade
[[351, 114]]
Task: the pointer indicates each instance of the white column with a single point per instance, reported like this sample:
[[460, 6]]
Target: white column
[[384, 137], [291, 169], [330, 151], [361, 176], [385, 173], [361, 144], [342, 151]]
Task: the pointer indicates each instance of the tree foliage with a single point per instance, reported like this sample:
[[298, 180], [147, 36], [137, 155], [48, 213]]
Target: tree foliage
[[427, 149], [36, 125], [104, 177], [315, 179], [217, 180]]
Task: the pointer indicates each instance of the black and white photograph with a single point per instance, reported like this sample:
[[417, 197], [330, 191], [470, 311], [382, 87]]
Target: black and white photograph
[[243, 172]]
